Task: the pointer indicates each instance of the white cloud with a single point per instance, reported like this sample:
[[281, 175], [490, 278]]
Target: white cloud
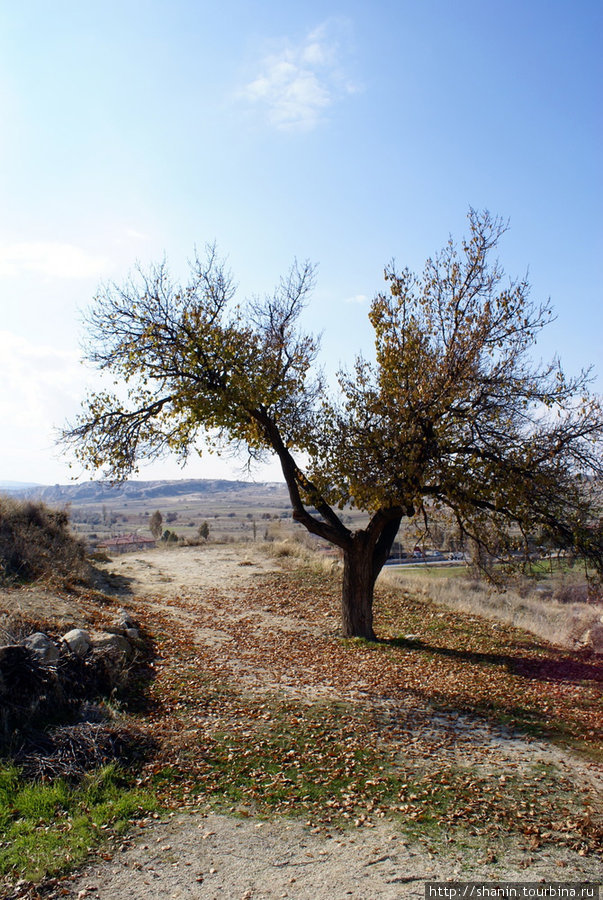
[[296, 85], [52, 259], [38, 382], [41, 389], [357, 298]]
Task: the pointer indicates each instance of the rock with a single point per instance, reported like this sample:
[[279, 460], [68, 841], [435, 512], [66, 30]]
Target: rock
[[134, 636], [18, 676], [78, 641], [114, 652], [125, 619], [106, 642], [594, 638], [39, 644]]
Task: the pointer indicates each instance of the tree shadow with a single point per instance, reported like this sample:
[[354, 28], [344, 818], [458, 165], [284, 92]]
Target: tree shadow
[[111, 582], [557, 666]]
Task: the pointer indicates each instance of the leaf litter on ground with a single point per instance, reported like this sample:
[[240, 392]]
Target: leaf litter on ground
[[280, 716]]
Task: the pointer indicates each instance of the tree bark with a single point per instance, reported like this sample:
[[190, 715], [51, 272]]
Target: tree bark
[[364, 555], [357, 590]]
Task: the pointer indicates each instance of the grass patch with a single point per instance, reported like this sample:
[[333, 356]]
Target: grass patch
[[424, 570], [49, 828]]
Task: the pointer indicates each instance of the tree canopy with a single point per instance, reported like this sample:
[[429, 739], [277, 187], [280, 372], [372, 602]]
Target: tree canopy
[[453, 412]]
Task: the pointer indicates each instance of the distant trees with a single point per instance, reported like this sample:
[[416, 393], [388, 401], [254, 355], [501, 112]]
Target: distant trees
[[451, 414], [155, 524]]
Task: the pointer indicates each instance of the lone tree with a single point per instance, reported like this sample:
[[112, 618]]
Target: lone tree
[[155, 524], [450, 414]]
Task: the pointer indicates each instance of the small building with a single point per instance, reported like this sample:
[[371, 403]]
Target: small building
[[127, 543]]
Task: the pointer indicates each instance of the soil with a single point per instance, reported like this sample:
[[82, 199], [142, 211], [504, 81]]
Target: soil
[[195, 853]]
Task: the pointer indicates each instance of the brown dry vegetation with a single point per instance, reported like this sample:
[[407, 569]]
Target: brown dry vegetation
[[557, 609], [36, 543]]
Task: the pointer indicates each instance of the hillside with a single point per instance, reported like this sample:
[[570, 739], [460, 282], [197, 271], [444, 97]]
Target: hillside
[[104, 492]]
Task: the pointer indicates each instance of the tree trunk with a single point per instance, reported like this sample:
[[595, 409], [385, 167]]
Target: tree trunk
[[357, 590]]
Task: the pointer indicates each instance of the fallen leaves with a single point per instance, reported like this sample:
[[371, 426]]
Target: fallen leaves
[[287, 718]]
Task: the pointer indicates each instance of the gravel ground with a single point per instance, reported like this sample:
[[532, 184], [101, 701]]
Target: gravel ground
[[224, 858]]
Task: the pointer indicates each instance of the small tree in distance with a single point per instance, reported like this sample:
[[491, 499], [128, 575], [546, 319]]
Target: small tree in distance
[[155, 524], [452, 414]]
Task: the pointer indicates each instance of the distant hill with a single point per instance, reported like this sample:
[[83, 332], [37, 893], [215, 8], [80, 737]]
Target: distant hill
[[11, 487], [103, 492]]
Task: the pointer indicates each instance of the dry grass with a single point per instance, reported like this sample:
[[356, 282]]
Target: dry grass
[[280, 549], [557, 611], [36, 543]]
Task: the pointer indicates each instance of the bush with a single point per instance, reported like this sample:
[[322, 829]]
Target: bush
[[35, 542]]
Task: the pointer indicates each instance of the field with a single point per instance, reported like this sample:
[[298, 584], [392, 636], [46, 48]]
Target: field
[[234, 510], [290, 762]]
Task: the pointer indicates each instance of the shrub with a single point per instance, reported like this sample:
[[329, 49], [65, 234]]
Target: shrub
[[35, 542], [155, 523]]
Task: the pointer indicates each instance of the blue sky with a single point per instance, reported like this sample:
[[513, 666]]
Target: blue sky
[[345, 133]]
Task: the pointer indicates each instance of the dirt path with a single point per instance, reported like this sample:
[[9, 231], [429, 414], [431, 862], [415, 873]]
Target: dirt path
[[223, 858], [205, 597]]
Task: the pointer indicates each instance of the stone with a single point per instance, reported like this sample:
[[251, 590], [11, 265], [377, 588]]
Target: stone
[[125, 619], [78, 641], [113, 651], [134, 636], [40, 645], [111, 643]]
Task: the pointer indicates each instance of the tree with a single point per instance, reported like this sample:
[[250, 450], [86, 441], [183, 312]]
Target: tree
[[204, 531], [450, 414], [155, 524]]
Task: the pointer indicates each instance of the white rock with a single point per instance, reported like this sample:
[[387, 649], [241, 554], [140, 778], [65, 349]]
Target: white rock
[[133, 635], [78, 641], [125, 619]]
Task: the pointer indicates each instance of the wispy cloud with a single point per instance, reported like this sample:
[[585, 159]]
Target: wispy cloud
[[298, 84], [357, 298], [41, 388], [39, 381], [52, 259]]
